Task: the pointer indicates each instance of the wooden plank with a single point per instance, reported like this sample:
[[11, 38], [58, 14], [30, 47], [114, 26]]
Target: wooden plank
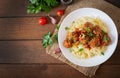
[[23, 28], [108, 71], [14, 8], [24, 52], [114, 58], [33, 52], [38, 71], [114, 2], [53, 71]]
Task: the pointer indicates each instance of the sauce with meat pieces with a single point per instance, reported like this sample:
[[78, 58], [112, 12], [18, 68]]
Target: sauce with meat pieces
[[90, 36]]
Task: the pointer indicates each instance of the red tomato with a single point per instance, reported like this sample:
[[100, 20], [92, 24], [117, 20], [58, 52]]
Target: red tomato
[[60, 12], [42, 21]]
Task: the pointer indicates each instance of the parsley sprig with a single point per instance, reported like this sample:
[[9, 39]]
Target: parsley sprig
[[47, 40], [35, 6]]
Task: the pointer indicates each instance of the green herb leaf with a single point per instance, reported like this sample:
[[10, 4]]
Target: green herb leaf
[[35, 6], [56, 37], [51, 2], [54, 3], [45, 8], [48, 2], [50, 42], [91, 34], [102, 53], [88, 29], [58, 26], [38, 9], [105, 39], [67, 28], [103, 32], [31, 8], [81, 49], [73, 22], [47, 40]]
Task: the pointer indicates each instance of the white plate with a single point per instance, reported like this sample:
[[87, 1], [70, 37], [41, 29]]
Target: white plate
[[91, 12]]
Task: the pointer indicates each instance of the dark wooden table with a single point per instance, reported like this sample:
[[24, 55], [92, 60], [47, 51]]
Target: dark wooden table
[[21, 51]]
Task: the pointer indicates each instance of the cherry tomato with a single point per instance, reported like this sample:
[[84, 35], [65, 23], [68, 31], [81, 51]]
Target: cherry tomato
[[60, 12], [42, 21]]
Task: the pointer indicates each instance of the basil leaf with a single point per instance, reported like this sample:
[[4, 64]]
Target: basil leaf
[[50, 42], [47, 40]]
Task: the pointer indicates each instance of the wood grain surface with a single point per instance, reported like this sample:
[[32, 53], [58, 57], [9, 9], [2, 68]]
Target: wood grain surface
[[23, 28], [21, 51], [53, 71]]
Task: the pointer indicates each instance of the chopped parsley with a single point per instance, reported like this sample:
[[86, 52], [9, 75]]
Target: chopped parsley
[[67, 28], [105, 39], [88, 29], [90, 34], [57, 27], [73, 22], [102, 53], [81, 49], [103, 32]]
